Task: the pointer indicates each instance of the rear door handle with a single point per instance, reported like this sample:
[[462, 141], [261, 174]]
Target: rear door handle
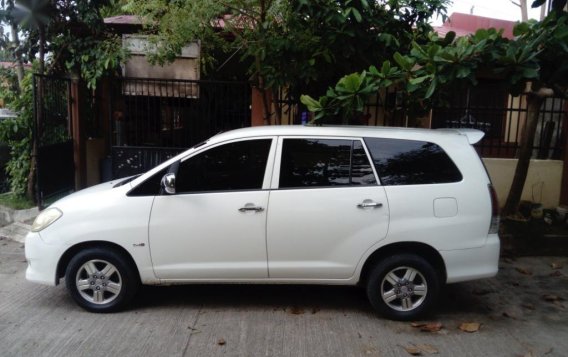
[[251, 207], [369, 204]]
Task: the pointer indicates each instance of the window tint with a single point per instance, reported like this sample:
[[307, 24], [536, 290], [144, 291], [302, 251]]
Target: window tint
[[325, 162], [411, 162], [235, 166], [361, 170]]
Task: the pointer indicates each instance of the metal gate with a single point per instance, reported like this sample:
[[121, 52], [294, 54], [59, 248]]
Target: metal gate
[[152, 120], [55, 170]]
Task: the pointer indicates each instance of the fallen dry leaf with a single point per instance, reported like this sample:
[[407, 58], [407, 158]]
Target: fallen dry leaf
[[551, 298], [509, 314], [528, 306], [418, 350], [428, 326], [295, 310], [555, 273], [470, 326], [221, 342], [555, 265], [508, 260], [428, 349], [413, 350], [523, 271]]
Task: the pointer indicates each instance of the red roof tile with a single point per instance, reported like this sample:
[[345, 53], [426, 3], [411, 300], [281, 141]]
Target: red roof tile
[[465, 24]]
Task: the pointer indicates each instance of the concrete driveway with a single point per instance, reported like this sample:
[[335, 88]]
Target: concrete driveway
[[521, 313]]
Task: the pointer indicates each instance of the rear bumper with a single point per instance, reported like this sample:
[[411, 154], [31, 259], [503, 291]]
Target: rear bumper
[[42, 260], [474, 263]]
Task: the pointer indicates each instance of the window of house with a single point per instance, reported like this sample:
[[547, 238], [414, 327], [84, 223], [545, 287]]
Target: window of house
[[323, 163], [411, 162], [234, 166]]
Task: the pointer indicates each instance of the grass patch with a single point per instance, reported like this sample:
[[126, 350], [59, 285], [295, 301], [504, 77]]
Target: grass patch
[[14, 201]]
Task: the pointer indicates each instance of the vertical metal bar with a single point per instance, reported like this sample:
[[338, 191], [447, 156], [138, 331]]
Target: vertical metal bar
[[135, 117], [35, 141], [110, 92], [558, 147]]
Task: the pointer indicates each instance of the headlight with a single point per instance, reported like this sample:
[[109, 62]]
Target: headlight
[[46, 218]]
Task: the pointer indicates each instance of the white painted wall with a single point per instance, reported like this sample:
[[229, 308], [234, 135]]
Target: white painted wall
[[543, 182]]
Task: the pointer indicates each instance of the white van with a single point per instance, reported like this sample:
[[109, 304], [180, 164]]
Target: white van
[[398, 211]]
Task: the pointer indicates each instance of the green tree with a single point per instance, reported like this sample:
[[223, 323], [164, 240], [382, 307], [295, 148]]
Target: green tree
[[534, 63], [73, 34], [12, 46], [300, 44]]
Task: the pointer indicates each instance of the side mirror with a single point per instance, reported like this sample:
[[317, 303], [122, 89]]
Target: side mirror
[[169, 183]]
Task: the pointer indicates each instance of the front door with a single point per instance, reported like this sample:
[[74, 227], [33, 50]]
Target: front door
[[214, 227]]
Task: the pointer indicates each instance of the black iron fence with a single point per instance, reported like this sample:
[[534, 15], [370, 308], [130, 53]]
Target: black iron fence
[[131, 160], [152, 114], [385, 108], [55, 170], [175, 113], [489, 107]]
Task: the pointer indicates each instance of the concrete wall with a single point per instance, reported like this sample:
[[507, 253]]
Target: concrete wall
[[543, 180]]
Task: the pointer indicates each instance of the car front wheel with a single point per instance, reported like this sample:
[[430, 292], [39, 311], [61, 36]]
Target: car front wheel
[[101, 280], [403, 287]]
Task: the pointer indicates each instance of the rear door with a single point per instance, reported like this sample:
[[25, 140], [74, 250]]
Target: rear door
[[326, 208]]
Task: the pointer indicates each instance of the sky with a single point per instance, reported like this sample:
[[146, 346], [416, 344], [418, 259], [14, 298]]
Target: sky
[[499, 9]]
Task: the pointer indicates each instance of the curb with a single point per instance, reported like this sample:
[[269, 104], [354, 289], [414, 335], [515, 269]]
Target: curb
[[13, 224]]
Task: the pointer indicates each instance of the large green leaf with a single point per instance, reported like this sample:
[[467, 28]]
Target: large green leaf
[[350, 83], [312, 104]]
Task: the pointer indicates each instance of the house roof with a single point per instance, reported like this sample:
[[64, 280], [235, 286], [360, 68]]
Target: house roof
[[123, 20], [466, 24], [130, 20]]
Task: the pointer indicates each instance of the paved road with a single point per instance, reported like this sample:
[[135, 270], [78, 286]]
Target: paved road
[[286, 320]]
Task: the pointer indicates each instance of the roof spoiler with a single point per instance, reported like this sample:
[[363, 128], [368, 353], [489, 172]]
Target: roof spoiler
[[473, 135]]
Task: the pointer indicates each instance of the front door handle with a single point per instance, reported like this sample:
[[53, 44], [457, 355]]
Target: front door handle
[[251, 207], [369, 204]]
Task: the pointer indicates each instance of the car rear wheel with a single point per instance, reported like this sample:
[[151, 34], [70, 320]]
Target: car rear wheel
[[101, 280], [403, 287]]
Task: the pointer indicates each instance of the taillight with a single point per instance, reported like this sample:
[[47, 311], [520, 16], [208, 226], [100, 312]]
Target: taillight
[[494, 226]]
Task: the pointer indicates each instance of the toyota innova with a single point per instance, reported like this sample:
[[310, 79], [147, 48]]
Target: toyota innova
[[397, 211]]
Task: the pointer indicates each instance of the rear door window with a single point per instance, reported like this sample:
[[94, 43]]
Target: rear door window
[[411, 162], [324, 163]]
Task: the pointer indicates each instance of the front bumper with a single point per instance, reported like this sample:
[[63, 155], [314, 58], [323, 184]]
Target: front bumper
[[474, 263], [42, 260]]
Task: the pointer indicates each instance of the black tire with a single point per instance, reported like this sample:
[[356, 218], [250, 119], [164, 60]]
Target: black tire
[[101, 293], [407, 302]]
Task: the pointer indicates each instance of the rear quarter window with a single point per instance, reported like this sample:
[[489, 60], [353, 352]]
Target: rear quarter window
[[411, 162]]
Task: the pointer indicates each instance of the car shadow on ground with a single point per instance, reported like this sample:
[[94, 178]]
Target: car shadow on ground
[[453, 299]]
